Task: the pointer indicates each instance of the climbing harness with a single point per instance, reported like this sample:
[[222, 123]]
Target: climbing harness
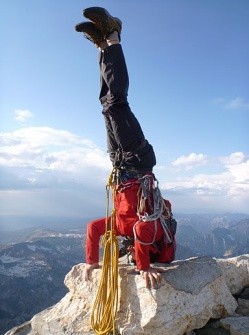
[[105, 305]]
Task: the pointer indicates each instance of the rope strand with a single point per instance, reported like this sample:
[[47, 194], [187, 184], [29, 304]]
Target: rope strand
[[105, 305], [160, 211]]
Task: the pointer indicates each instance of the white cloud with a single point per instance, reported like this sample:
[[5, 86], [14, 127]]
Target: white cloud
[[22, 115], [190, 161], [209, 184], [39, 162], [237, 164], [227, 190], [50, 148], [240, 172], [52, 171], [234, 159], [236, 103], [218, 100]]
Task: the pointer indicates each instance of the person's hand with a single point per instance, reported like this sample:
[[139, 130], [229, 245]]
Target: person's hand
[[152, 277], [88, 269]]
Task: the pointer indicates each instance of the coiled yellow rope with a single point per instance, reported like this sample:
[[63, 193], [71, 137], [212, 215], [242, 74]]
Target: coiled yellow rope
[[105, 304]]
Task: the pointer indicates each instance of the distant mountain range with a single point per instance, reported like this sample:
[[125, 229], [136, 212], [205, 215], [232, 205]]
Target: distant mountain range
[[34, 261], [32, 273], [213, 235]]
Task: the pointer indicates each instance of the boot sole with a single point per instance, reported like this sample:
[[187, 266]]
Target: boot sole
[[103, 20]]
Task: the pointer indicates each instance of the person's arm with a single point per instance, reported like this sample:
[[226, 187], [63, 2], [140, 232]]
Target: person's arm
[[152, 277], [95, 229], [88, 270]]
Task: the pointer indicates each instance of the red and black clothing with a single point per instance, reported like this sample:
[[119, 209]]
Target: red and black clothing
[[131, 153], [125, 219]]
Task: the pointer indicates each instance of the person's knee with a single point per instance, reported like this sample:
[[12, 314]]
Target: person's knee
[[117, 97], [96, 227], [150, 231], [144, 231]]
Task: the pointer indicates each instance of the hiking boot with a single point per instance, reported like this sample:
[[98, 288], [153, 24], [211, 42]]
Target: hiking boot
[[90, 32], [106, 23]]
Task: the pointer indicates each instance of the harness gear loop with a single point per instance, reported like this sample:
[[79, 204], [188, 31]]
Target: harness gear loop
[[105, 305]]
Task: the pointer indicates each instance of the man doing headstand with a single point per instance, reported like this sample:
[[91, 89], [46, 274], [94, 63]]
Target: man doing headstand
[[130, 153]]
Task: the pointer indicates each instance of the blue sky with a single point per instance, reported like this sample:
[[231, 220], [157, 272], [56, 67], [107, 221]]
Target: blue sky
[[189, 80]]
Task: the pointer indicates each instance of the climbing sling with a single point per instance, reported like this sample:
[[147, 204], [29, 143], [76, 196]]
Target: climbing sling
[[105, 305], [159, 211]]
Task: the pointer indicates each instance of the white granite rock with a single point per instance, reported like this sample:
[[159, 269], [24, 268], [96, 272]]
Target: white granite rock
[[192, 292], [236, 272]]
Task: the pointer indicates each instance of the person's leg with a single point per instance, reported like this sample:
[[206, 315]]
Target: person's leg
[[113, 70], [125, 137], [112, 145], [146, 232], [167, 252], [123, 127]]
